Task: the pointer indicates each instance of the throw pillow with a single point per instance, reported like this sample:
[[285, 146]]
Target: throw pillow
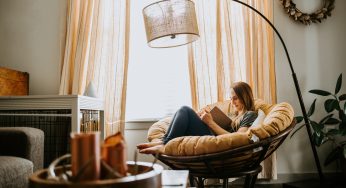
[[258, 121]]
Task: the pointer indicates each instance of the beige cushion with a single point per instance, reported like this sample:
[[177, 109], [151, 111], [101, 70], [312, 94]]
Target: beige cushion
[[278, 117], [198, 145], [158, 129]]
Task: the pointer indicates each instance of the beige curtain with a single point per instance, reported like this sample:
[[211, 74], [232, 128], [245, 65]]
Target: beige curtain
[[96, 50], [235, 45]]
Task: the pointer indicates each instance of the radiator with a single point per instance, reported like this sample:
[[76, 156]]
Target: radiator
[[56, 116]]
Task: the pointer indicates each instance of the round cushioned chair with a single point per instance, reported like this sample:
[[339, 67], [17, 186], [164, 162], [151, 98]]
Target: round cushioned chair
[[229, 155]]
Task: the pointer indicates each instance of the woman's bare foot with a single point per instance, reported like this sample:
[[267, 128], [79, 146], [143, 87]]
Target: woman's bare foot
[[148, 145], [153, 149]]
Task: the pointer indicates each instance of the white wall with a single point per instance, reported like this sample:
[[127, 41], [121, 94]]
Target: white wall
[[30, 37], [318, 56], [135, 133]]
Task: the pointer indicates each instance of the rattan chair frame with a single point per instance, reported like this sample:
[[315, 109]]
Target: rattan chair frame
[[238, 162]]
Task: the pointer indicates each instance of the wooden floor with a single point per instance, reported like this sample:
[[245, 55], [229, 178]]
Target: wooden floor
[[240, 186], [285, 185], [292, 181]]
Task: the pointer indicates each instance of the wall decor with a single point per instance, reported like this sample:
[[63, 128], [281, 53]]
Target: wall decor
[[305, 18]]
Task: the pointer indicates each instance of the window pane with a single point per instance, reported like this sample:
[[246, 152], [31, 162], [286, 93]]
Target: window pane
[[158, 80]]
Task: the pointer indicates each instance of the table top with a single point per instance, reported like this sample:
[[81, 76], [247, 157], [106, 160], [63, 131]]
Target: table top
[[169, 179], [175, 178]]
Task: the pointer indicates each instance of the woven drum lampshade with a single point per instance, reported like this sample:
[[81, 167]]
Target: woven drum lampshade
[[170, 23]]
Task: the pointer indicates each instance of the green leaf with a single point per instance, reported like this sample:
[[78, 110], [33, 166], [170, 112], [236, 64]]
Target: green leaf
[[325, 139], [312, 108], [323, 121], [317, 138], [342, 128], [338, 84], [342, 132], [330, 105], [342, 115], [294, 132], [332, 121], [345, 108], [342, 97], [333, 132], [335, 154], [299, 119], [320, 92], [317, 127]]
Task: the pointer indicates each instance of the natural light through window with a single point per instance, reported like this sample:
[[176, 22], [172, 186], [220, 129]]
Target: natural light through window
[[158, 79]]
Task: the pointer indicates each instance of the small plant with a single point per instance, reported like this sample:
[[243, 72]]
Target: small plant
[[332, 125]]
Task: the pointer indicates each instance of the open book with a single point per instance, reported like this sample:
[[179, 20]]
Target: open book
[[220, 118]]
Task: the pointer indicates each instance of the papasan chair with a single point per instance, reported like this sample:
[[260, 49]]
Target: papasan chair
[[230, 155]]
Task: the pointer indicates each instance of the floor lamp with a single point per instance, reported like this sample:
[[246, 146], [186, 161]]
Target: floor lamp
[[173, 23], [296, 84]]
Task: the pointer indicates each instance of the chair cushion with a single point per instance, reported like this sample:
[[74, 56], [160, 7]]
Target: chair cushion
[[158, 129], [14, 171], [278, 117], [198, 145]]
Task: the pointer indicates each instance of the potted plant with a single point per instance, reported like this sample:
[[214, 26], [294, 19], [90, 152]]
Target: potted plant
[[331, 127]]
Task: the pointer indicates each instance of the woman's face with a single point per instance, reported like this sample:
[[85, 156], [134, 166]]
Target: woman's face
[[236, 103]]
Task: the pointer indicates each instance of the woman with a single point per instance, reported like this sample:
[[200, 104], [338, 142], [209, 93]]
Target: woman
[[186, 122]]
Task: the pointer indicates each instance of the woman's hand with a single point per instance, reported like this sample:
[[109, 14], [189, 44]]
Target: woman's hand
[[201, 111], [206, 117]]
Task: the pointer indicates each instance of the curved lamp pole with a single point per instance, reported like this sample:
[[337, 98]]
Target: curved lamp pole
[[296, 84]]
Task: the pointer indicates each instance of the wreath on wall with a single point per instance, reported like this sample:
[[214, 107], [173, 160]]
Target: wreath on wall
[[305, 18]]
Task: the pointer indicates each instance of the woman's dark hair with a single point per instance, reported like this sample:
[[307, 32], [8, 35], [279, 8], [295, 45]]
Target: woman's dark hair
[[244, 93]]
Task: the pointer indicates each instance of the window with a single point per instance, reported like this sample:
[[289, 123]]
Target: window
[[158, 79]]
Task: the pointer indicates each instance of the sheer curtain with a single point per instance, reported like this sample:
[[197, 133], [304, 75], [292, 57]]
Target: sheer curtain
[[235, 45], [96, 51]]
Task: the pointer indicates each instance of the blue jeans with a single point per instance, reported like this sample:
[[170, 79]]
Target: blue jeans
[[186, 122]]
